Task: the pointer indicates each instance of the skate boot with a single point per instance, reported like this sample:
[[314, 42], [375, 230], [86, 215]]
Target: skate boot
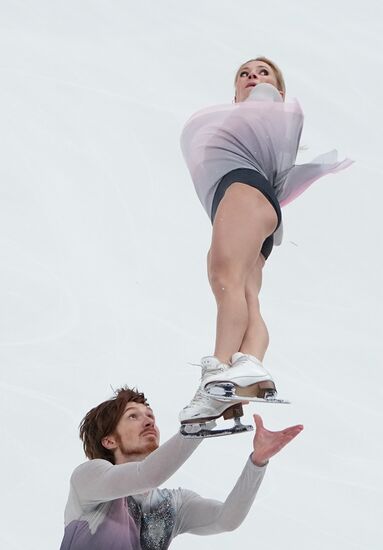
[[245, 379], [198, 418]]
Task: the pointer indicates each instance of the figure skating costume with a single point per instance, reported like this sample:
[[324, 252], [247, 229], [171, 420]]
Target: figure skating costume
[[260, 135]]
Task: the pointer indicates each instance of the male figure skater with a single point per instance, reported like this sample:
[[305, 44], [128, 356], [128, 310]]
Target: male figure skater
[[114, 501]]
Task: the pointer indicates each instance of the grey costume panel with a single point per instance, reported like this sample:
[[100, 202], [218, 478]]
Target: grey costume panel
[[262, 134]]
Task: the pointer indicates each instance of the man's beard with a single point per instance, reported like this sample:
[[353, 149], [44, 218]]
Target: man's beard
[[144, 449]]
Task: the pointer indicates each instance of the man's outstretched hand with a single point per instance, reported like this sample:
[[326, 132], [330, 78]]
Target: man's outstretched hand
[[267, 444]]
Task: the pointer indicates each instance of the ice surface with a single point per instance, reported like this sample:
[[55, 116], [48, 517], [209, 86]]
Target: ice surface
[[103, 245]]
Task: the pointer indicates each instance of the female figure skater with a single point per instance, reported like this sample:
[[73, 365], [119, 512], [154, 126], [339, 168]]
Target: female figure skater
[[241, 158]]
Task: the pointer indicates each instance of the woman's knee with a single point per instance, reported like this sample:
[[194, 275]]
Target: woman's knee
[[225, 275]]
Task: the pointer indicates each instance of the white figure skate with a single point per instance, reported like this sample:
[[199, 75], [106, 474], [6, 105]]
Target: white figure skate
[[246, 379], [198, 418]]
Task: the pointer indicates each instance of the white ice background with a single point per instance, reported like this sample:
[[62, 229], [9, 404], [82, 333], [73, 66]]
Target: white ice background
[[103, 245]]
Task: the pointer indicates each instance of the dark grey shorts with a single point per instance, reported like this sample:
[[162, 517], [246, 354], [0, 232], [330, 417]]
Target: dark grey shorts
[[254, 179]]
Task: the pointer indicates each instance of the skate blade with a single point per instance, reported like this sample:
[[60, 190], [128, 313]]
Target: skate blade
[[227, 391], [203, 433], [274, 400]]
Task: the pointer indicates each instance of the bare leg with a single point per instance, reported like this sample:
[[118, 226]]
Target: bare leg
[[256, 339], [243, 221]]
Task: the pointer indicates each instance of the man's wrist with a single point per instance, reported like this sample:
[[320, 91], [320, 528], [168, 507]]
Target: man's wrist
[[257, 461]]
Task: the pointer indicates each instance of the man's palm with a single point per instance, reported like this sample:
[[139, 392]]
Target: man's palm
[[267, 443]]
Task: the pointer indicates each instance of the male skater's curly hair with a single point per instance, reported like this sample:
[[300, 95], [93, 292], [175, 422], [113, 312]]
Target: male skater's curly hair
[[102, 421]]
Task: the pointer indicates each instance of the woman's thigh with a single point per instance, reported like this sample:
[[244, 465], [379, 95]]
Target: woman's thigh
[[244, 219]]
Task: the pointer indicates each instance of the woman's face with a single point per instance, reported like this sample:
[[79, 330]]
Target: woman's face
[[250, 75]]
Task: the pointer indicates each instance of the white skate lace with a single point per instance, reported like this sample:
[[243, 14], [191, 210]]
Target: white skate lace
[[200, 397], [205, 370]]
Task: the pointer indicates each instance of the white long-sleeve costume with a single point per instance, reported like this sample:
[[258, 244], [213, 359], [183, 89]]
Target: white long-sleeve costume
[[262, 134], [119, 507]]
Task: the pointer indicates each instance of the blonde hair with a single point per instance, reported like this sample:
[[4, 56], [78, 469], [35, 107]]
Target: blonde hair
[[276, 69]]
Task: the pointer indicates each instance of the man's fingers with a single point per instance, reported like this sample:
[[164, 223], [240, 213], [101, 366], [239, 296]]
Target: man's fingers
[[288, 435], [297, 429], [258, 421], [293, 429]]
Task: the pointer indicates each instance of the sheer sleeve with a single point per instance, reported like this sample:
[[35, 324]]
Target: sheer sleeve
[[203, 516], [99, 481]]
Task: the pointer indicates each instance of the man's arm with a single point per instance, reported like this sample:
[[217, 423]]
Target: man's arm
[[98, 480], [203, 516]]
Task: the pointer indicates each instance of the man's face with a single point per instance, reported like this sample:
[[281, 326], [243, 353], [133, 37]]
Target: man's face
[[136, 434]]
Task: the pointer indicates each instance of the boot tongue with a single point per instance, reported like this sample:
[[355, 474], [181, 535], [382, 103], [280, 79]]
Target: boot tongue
[[210, 363], [237, 356], [245, 357]]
